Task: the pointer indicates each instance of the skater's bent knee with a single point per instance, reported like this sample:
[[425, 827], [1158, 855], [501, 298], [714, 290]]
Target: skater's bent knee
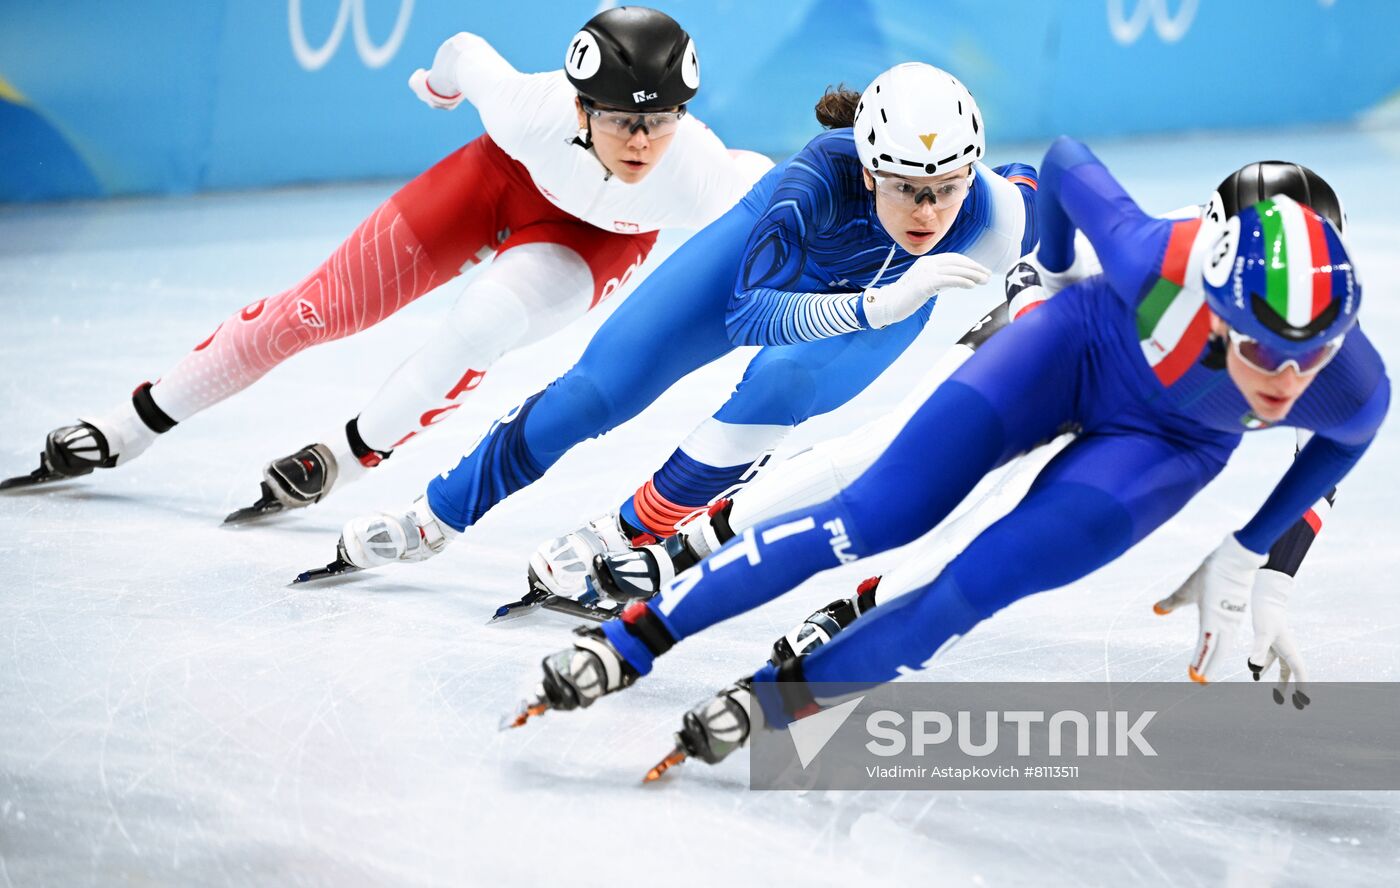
[[780, 392], [576, 406], [489, 319]]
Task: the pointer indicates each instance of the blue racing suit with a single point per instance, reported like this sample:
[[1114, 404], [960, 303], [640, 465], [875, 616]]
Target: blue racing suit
[[785, 269], [1126, 356]]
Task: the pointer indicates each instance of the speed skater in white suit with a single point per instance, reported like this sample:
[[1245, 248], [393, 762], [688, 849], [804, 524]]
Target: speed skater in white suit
[[566, 190], [618, 577]]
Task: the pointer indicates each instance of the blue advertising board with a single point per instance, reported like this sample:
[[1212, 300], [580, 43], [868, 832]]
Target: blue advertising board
[[162, 96]]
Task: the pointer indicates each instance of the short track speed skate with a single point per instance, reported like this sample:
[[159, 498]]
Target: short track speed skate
[[69, 452]]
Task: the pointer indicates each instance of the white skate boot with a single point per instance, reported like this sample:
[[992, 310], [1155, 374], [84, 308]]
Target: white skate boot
[[561, 565], [414, 534]]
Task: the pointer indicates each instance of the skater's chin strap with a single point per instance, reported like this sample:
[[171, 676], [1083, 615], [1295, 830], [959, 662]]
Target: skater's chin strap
[[584, 140]]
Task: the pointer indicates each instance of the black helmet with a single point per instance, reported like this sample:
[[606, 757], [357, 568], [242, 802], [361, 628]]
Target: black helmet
[[1266, 179], [633, 57]]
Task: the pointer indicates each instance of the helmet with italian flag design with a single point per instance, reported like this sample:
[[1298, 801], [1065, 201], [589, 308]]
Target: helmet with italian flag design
[[1278, 273]]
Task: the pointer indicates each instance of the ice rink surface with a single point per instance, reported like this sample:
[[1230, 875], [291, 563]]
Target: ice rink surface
[[172, 713]]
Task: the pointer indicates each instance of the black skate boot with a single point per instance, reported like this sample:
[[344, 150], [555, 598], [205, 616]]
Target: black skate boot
[[292, 482], [577, 676], [69, 452], [307, 476], [102, 442], [712, 730], [823, 625]]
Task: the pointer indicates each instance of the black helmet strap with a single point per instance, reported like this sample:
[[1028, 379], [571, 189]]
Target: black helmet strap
[[584, 140]]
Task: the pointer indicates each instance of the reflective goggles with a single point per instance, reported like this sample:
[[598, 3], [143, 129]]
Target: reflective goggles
[[625, 123], [1270, 360], [900, 190]]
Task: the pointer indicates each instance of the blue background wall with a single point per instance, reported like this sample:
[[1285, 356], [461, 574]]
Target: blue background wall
[[102, 98]]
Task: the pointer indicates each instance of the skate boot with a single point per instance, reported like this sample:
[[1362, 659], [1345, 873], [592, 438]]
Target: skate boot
[[558, 576], [74, 451], [292, 482], [309, 475], [560, 566], [577, 676], [823, 625], [645, 570], [100, 443], [414, 534], [712, 730]]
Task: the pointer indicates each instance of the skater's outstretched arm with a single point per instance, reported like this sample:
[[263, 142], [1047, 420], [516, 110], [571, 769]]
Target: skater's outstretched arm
[[510, 103], [1319, 467], [1287, 553], [771, 303], [1078, 193]]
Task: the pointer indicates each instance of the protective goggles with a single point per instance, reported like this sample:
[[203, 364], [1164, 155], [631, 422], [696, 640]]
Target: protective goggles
[[625, 123], [1267, 359], [900, 190]]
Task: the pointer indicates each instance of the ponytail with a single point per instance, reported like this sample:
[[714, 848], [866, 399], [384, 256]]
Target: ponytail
[[837, 107]]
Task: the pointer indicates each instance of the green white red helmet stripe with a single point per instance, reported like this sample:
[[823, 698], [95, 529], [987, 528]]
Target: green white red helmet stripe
[[1298, 273], [1321, 258]]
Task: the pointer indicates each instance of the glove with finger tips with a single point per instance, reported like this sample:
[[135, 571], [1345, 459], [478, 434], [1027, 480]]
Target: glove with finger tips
[[1220, 589], [892, 303], [1273, 638], [1188, 592]]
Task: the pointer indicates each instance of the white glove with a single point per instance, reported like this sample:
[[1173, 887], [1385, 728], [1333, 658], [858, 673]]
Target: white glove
[[1273, 638], [894, 302], [1220, 590], [438, 88]]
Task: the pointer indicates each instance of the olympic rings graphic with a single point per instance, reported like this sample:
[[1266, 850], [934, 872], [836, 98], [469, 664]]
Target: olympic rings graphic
[[351, 11], [1168, 27]]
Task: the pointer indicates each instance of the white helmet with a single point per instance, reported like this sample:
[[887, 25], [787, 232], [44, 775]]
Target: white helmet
[[918, 120]]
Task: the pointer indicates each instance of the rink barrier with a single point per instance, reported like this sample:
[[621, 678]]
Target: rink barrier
[[219, 94]]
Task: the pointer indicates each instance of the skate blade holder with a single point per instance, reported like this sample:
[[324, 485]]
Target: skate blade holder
[[590, 606]]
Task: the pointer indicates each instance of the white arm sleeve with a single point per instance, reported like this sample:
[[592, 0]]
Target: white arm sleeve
[[714, 177], [514, 107], [999, 245]]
